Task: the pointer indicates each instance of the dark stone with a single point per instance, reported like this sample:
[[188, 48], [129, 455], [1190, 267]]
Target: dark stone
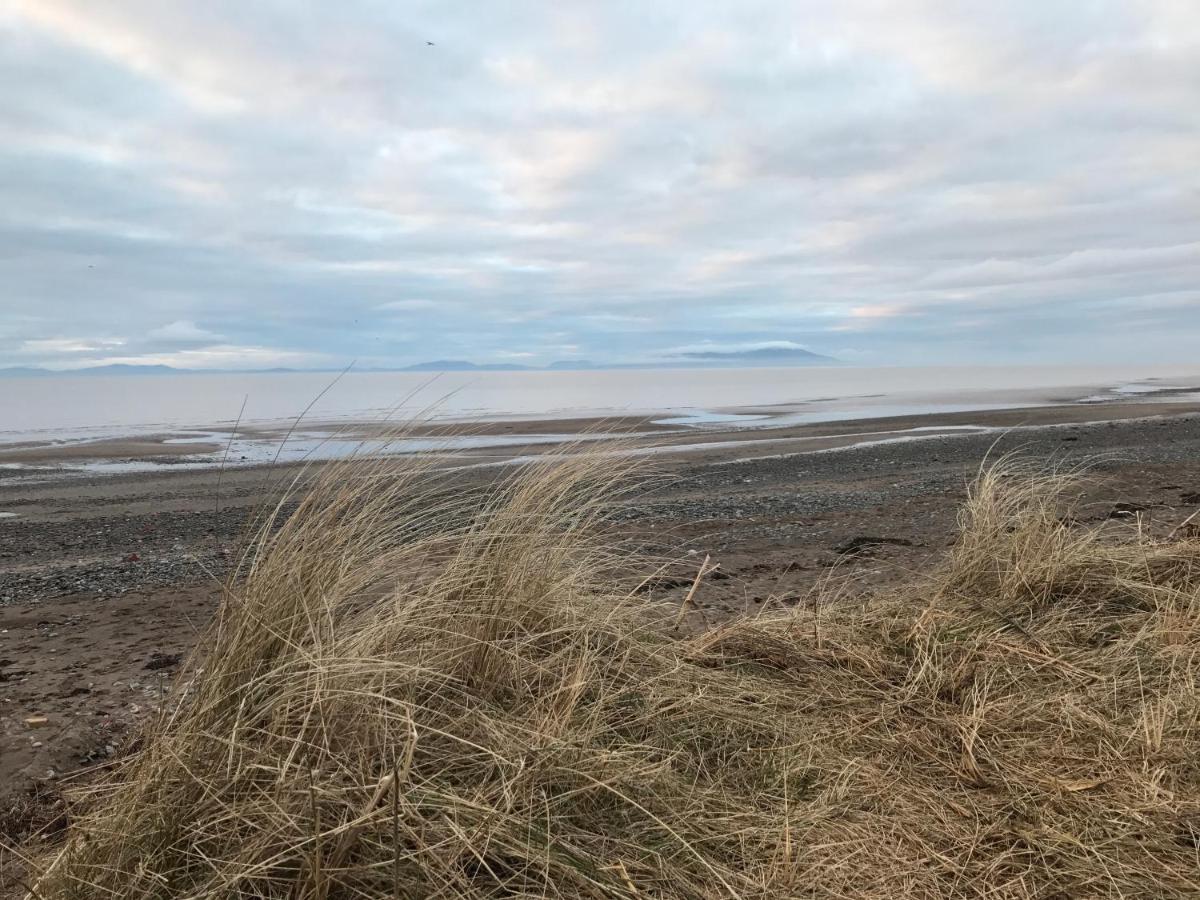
[[163, 660], [664, 583], [862, 543]]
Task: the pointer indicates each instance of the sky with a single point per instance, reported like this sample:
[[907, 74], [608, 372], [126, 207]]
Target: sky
[[305, 184]]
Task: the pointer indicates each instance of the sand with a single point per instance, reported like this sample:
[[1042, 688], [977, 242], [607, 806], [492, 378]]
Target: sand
[[105, 581], [634, 431]]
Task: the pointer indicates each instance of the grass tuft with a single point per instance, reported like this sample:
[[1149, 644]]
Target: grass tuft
[[409, 693]]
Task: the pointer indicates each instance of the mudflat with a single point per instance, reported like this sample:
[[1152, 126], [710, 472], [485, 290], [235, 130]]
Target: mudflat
[[106, 581]]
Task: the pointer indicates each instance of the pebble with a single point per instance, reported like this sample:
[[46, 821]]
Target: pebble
[[791, 487]]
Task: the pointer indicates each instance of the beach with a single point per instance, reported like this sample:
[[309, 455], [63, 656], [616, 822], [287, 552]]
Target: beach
[[107, 579], [80, 425]]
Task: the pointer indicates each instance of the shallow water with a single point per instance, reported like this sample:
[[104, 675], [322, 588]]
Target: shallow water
[[77, 407], [701, 417], [190, 407], [299, 447]]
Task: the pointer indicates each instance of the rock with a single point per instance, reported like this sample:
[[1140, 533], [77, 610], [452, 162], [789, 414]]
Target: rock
[[162, 660], [864, 542], [665, 583]]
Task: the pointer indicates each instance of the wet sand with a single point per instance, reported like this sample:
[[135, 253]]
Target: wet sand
[[105, 581], [499, 440], [147, 448]]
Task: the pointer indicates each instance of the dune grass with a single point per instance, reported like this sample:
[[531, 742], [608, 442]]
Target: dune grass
[[409, 693]]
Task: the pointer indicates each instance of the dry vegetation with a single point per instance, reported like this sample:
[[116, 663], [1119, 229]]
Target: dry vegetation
[[416, 695]]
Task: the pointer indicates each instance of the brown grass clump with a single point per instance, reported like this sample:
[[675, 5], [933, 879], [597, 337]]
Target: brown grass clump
[[412, 694]]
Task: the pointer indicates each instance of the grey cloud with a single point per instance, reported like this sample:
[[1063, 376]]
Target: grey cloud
[[910, 182]]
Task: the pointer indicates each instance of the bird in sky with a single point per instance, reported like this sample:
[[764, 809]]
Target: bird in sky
[[429, 43]]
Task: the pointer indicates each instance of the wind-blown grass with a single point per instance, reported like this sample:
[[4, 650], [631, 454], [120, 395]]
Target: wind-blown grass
[[409, 693]]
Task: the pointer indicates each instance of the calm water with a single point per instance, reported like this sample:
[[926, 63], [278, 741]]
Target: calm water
[[90, 406]]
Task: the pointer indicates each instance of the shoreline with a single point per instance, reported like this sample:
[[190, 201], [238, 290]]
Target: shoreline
[[506, 441], [106, 580], [485, 415]]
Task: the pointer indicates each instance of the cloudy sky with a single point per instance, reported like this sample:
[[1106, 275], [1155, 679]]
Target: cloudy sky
[[233, 184]]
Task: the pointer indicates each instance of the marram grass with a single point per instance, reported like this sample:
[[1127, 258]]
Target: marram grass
[[413, 694]]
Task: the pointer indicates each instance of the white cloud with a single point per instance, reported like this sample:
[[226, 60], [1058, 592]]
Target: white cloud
[[219, 356], [68, 345], [299, 178], [183, 330]]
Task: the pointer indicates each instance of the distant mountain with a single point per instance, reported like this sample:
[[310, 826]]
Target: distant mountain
[[133, 369], [116, 369], [127, 369], [760, 356], [458, 365], [700, 359], [696, 359]]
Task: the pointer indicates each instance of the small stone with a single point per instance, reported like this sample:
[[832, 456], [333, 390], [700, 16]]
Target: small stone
[[162, 660], [864, 543]]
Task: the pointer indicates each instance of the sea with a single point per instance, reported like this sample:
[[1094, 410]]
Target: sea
[[86, 407]]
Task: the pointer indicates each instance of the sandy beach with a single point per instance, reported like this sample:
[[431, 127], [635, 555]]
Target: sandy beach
[[105, 580]]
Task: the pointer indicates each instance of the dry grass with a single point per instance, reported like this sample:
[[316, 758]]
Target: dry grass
[[411, 694]]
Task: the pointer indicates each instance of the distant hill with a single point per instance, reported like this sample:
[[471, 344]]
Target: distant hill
[[697, 359], [133, 370], [117, 369], [700, 359], [761, 356], [127, 369], [458, 365]]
